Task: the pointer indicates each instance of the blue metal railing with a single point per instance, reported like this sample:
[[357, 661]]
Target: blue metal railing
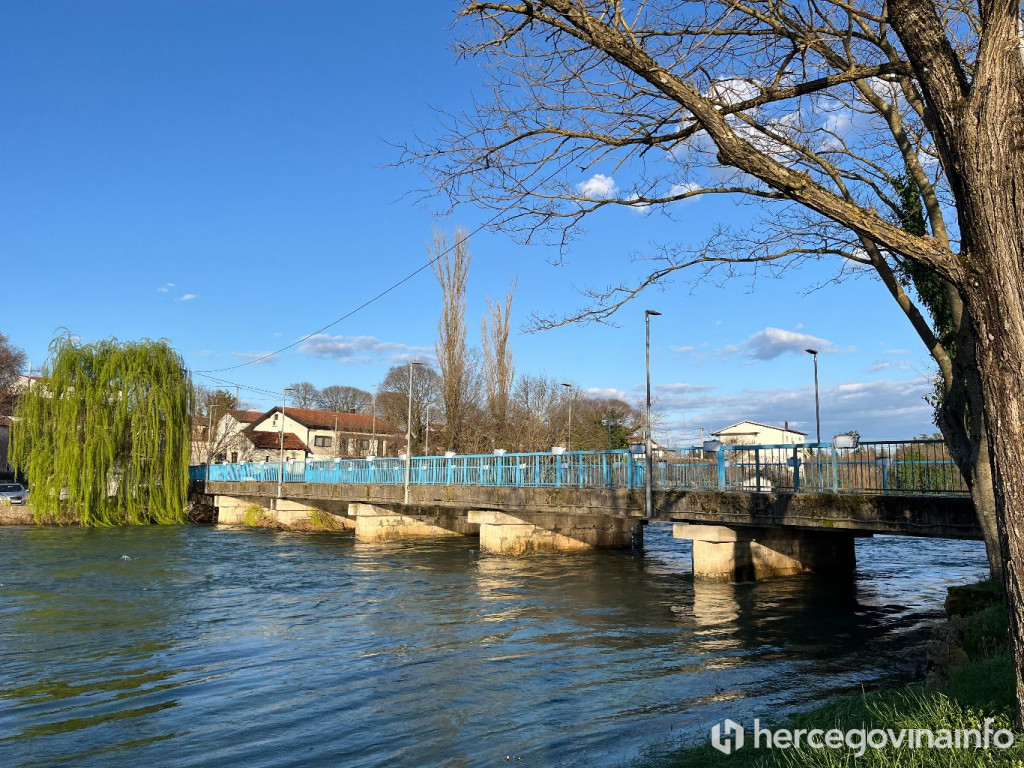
[[911, 467]]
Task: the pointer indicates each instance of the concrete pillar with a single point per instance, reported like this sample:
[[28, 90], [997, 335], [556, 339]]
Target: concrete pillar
[[743, 553], [235, 511], [527, 534], [278, 513], [375, 523]]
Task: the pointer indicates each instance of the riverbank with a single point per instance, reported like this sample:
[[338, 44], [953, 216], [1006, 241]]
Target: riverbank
[[970, 679], [24, 514]]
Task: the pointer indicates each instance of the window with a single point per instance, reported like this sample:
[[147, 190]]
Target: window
[[364, 445], [234, 457], [322, 442]]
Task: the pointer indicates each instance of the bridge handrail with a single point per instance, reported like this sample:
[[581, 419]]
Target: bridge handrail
[[893, 467]]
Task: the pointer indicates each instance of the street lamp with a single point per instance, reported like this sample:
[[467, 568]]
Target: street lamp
[[373, 422], [426, 436], [648, 459], [568, 387], [284, 404], [408, 434], [817, 408]]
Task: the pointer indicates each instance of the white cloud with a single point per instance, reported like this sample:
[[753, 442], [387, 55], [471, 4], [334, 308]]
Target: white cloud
[[770, 343], [597, 186], [894, 352], [683, 388], [188, 297], [683, 350], [607, 392], [733, 91], [879, 410], [882, 365], [683, 189], [359, 350], [165, 288], [641, 208]]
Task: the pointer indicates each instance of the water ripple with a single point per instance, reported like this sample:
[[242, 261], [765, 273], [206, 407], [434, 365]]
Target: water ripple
[[256, 648]]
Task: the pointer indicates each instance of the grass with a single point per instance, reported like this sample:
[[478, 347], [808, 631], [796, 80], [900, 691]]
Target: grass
[[324, 521], [977, 683], [254, 515]]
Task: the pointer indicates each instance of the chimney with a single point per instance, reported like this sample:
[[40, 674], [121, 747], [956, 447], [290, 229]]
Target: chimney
[[786, 427]]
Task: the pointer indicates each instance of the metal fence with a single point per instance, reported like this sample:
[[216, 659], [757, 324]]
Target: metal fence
[[907, 467]]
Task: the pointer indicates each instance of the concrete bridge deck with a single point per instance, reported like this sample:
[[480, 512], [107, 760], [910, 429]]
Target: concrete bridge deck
[[750, 511]]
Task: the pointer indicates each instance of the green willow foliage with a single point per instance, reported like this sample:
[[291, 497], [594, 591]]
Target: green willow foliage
[[104, 438]]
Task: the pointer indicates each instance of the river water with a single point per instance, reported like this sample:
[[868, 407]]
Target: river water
[[197, 646]]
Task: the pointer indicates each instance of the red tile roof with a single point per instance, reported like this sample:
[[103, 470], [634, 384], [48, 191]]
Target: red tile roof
[[272, 440], [347, 422], [246, 417]]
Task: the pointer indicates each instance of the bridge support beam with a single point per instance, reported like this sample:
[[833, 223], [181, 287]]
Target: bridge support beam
[[527, 534], [277, 513], [376, 523], [741, 553]]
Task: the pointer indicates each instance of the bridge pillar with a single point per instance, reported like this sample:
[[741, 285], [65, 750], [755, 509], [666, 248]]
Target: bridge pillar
[[527, 534], [743, 553], [376, 523], [277, 513]]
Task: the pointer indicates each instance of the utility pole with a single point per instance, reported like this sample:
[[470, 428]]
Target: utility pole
[[280, 474], [373, 419], [817, 407], [426, 444], [408, 434], [209, 433], [648, 457], [568, 387]]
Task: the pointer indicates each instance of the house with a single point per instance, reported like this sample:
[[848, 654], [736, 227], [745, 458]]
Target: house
[[324, 434], [233, 443], [227, 442], [756, 433]]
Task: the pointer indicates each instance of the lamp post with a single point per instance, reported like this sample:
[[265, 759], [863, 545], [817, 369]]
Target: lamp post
[[373, 421], [408, 434], [568, 388], [284, 404], [648, 457], [817, 408], [426, 435]]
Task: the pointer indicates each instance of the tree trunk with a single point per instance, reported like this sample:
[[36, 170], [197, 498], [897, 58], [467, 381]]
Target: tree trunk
[[1000, 358], [984, 497], [960, 419], [991, 211]]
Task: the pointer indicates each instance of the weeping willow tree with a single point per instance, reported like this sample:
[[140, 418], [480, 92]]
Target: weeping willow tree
[[105, 438]]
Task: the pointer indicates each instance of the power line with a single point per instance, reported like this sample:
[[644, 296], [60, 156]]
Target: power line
[[387, 290]]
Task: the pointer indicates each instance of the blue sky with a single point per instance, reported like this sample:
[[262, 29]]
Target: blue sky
[[221, 173]]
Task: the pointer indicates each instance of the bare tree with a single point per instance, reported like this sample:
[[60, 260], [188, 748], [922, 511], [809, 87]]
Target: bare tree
[[12, 363], [209, 439], [499, 370], [743, 99], [451, 267], [393, 399], [304, 395], [345, 399]]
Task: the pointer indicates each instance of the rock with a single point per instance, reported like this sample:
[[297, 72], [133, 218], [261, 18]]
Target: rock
[[971, 598]]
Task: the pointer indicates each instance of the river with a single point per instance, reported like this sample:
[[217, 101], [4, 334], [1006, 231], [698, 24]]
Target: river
[[197, 646]]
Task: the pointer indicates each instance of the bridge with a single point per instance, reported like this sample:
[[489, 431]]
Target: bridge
[[751, 511]]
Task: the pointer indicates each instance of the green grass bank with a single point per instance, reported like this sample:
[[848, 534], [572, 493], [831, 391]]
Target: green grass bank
[[971, 680]]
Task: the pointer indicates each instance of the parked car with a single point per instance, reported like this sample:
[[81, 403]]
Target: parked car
[[13, 492]]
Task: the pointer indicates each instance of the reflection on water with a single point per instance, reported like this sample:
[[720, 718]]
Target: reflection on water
[[272, 649]]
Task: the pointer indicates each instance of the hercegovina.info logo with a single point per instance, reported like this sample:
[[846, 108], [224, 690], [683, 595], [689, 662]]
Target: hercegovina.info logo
[[729, 736]]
